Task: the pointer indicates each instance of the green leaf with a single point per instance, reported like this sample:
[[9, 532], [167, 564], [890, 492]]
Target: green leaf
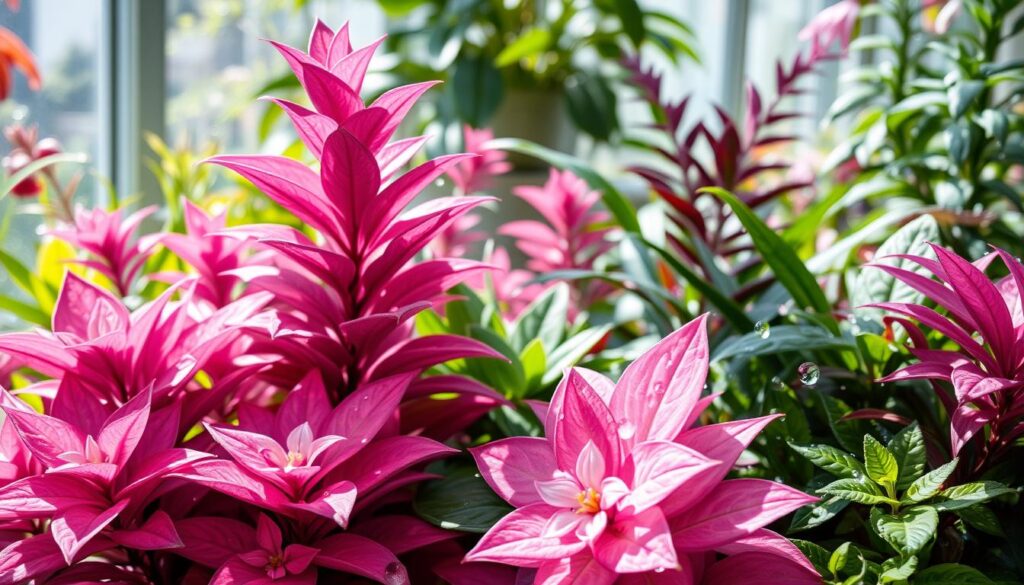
[[983, 519], [632, 20], [879, 462], [928, 485], [461, 500], [837, 561], [909, 531], [951, 574], [914, 105], [837, 462], [592, 105], [507, 378], [874, 285], [849, 433], [478, 89], [732, 312], [37, 165], [786, 265], [969, 494], [530, 43], [24, 311], [19, 273], [818, 513], [817, 554], [962, 94], [395, 8], [850, 100], [856, 490], [898, 570], [615, 201], [572, 351], [545, 319], [909, 450], [534, 363], [781, 338], [958, 142]]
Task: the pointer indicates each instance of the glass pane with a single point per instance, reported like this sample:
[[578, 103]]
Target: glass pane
[[217, 62], [67, 40]]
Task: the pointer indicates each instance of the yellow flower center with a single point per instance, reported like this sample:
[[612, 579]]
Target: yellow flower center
[[590, 501], [296, 459]]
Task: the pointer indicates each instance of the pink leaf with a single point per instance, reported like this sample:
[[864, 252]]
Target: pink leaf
[[46, 437], [519, 539], [87, 311], [737, 569], [74, 527], [584, 418], [512, 466], [350, 178], [660, 468], [658, 391], [636, 544], [122, 432], [735, 509], [157, 533], [361, 556], [212, 541]]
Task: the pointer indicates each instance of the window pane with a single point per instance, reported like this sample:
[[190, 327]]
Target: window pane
[[217, 62], [67, 40]]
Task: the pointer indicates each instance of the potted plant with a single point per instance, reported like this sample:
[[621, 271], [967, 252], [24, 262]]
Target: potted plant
[[535, 69]]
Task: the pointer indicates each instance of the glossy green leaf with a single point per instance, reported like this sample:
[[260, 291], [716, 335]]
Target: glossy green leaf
[[572, 351], [929, 484], [788, 268], [592, 105], [909, 450], [546, 319], [478, 89], [909, 531], [781, 338], [856, 490], [632, 18], [461, 501], [879, 462], [969, 494], [835, 461], [874, 285]]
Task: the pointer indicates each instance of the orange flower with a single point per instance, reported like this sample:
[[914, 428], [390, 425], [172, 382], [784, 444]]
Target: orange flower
[[13, 52]]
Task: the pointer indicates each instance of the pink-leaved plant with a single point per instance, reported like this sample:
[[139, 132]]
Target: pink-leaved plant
[[985, 372], [247, 424], [624, 489]]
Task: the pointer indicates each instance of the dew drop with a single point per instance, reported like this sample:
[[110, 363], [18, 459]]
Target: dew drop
[[626, 430], [439, 182], [659, 570], [763, 329], [776, 384], [809, 373], [394, 574]]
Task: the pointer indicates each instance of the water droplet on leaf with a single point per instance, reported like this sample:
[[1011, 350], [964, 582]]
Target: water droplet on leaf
[[809, 373], [763, 329], [394, 574]]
